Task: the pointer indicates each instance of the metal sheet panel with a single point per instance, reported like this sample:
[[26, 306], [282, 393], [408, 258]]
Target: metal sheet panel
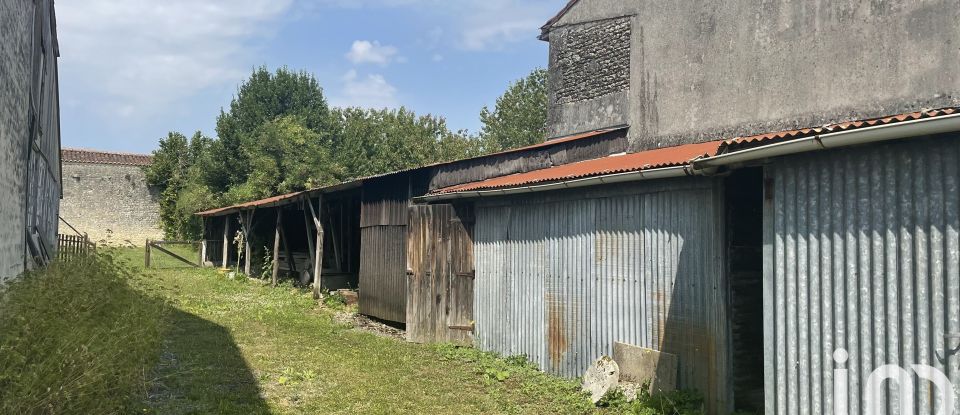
[[560, 280], [864, 257]]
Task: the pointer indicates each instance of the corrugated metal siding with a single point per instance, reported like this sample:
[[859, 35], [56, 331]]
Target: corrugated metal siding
[[863, 254], [560, 281], [383, 272]]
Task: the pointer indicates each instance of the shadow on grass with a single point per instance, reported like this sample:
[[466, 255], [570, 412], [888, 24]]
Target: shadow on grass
[[202, 371]]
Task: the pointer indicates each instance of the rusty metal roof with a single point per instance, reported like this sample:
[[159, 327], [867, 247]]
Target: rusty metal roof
[[740, 143], [652, 159], [678, 155], [77, 155], [293, 197], [281, 199]]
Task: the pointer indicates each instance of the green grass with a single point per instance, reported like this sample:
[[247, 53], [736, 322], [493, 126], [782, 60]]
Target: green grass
[[239, 346], [77, 338], [193, 341]]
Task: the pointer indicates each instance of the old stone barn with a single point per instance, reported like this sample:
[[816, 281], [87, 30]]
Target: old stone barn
[[105, 195]]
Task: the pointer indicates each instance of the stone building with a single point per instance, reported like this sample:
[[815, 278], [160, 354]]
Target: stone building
[[29, 135], [692, 71], [105, 195]]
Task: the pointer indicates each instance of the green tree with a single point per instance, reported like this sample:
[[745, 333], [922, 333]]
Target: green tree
[[368, 142], [174, 174], [261, 99], [519, 117]]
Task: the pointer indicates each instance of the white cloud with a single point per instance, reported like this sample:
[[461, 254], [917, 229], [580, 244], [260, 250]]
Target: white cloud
[[470, 24], [437, 57], [372, 91], [364, 51], [137, 58]]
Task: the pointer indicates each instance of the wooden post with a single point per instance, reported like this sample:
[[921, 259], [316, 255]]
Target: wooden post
[[146, 254], [276, 246], [203, 242], [307, 220], [246, 242], [226, 240], [318, 254]]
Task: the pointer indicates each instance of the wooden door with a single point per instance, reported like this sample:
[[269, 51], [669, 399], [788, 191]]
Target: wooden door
[[440, 274]]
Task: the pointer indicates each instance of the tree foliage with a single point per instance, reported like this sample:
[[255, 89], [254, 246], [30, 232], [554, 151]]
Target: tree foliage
[[519, 117], [279, 136]]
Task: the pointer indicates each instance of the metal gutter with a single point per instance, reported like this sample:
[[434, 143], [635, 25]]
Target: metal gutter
[[708, 165], [886, 132]]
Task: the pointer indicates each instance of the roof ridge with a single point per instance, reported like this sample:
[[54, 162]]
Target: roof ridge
[[118, 153]]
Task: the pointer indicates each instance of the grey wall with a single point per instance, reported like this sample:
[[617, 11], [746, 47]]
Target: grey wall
[[706, 70], [29, 175], [560, 276], [111, 203], [864, 254]]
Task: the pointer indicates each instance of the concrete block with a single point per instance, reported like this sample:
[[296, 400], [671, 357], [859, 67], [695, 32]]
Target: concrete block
[[646, 366]]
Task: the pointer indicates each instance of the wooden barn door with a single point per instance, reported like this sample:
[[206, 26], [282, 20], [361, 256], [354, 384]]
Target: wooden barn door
[[440, 274]]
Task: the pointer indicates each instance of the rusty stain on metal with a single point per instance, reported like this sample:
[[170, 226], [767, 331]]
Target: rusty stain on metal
[[556, 336]]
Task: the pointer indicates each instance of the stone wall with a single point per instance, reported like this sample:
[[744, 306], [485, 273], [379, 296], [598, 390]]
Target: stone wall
[[110, 202], [701, 71], [16, 20], [592, 60]]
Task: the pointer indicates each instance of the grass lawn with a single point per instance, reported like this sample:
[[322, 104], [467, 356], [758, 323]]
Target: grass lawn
[[241, 347]]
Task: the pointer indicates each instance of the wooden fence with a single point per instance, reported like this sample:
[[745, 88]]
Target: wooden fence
[[164, 247], [74, 246]]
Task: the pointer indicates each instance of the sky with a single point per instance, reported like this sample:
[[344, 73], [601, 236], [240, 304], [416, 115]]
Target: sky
[[133, 70]]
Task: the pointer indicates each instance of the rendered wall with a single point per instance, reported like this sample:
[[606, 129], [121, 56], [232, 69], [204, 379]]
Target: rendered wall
[[29, 134], [707, 70]]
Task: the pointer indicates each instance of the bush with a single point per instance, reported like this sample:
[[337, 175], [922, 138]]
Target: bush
[[76, 337]]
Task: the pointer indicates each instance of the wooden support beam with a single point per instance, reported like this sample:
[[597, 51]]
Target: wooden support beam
[[247, 219], [203, 241], [318, 253], [226, 241], [333, 238], [276, 247], [146, 254], [168, 252], [308, 225], [291, 265]]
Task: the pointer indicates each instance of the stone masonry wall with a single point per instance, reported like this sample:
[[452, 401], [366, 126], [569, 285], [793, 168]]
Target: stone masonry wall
[[111, 203], [16, 23], [592, 60]]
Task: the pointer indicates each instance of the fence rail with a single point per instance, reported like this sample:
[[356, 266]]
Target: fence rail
[[74, 246], [164, 248]]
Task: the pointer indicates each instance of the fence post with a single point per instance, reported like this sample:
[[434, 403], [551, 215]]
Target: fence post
[[146, 254]]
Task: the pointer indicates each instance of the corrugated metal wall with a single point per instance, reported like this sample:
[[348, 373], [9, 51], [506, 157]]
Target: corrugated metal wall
[[560, 280], [862, 249]]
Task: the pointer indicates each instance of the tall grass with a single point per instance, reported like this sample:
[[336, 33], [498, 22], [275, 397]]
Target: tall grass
[[77, 338]]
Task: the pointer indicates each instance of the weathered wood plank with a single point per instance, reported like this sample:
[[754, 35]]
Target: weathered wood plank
[[276, 248]]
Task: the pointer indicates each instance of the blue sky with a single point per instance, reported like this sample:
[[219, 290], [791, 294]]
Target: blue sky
[[132, 70]]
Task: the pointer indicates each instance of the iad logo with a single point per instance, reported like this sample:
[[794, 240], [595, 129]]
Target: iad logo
[[874, 387]]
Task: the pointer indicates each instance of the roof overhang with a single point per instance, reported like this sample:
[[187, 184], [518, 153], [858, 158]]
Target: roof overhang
[[706, 158]]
